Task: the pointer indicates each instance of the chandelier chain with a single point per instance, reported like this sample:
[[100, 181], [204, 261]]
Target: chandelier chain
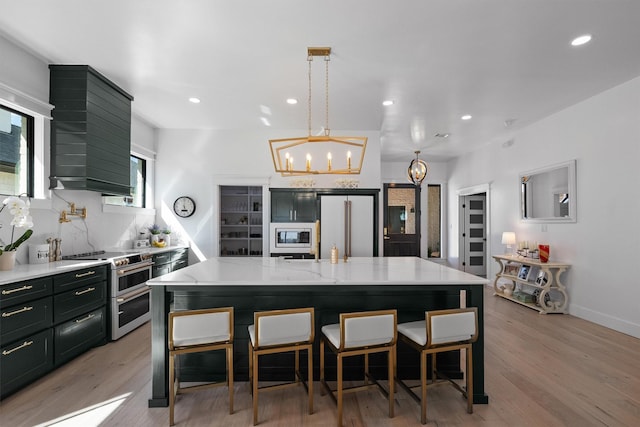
[[326, 86], [309, 59]]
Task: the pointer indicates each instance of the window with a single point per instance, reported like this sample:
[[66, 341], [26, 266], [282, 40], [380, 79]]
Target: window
[[434, 230], [16, 152], [138, 180]]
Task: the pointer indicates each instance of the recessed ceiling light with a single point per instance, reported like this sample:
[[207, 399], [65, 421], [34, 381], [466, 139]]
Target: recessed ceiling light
[[292, 101], [466, 117], [579, 41], [194, 100], [387, 102]]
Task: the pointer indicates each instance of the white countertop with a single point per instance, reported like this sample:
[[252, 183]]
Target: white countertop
[[33, 271], [265, 271]]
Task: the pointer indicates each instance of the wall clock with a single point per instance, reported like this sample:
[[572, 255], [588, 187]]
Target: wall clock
[[184, 206]]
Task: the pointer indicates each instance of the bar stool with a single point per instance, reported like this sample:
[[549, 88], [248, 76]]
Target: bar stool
[[442, 330], [280, 331], [360, 333], [195, 331]]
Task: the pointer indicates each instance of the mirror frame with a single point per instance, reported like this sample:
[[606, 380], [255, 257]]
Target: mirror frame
[[572, 217]]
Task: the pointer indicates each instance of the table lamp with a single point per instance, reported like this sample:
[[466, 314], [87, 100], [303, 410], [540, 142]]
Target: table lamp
[[509, 239]]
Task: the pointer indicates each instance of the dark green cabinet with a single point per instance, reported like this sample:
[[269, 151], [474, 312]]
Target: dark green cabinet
[[47, 321], [166, 262], [90, 131], [293, 206]]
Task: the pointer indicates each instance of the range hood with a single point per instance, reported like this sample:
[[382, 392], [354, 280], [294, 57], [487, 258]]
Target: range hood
[[90, 131]]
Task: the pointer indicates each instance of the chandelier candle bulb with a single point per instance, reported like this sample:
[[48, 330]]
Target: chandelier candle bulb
[[287, 162], [328, 161], [308, 162], [349, 160]]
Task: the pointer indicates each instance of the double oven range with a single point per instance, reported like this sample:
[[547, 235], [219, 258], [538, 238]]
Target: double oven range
[[129, 295]]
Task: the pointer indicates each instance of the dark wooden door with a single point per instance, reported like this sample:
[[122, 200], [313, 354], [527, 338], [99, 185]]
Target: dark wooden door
[[401, 220]]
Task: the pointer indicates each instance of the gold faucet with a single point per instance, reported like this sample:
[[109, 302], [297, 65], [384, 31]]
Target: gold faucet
[[82, 213]]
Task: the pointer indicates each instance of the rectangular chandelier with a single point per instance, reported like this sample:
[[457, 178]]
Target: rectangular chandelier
[[318, 155]]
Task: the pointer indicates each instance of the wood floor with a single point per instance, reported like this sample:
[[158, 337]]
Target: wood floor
[[541, 370]]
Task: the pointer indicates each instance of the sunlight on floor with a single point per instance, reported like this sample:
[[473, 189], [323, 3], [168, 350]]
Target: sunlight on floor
[[90, 416]]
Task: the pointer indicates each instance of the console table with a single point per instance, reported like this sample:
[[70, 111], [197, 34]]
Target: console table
[[532, 283]]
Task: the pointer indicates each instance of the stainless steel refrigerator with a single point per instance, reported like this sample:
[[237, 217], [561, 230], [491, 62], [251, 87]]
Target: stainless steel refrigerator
[[347, 222]]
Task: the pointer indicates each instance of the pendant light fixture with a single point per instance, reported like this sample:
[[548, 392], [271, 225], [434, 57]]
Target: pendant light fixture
[[323, 154], [417, 170]]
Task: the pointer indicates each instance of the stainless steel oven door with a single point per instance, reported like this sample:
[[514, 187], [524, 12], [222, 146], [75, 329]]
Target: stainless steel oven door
[[130, 310], [126, 279]]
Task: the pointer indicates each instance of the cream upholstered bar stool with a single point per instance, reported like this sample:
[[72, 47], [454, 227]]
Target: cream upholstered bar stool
[[442, 330], [360, 333], [196, 331], [281, 331]]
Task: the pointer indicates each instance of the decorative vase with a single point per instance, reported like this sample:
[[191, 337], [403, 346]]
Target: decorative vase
[[544, 253], [7, 260], [155, 238], [166, 238]]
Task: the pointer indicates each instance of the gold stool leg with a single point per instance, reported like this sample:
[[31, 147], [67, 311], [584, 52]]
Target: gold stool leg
[[297, 366], [321, 366], [310, 378], [423, 387], [172, 395], [339, 397], [469, 375], [230, 377], [390, 362], [255, 388]]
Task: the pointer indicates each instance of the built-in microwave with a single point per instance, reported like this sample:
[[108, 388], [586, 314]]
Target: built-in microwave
[[292, 237]]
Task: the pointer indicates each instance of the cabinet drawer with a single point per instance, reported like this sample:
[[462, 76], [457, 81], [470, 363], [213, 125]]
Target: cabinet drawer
[[79, 300], [177, 265], [160, 270], [77, 278], [25, 360], [179, 255], [162, 258], [79, 334], [25, 319], [19, 292]]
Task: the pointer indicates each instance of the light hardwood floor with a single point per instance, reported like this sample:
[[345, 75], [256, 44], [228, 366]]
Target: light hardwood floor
[[541, 370]]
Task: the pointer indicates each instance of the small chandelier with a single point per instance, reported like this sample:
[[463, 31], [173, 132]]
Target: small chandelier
[[417, 170], [337, 154]]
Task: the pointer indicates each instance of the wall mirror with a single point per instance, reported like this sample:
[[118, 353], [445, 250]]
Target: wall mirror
[[549, 194]]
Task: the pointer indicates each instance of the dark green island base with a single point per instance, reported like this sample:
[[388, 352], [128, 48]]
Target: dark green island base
[[321, 286]]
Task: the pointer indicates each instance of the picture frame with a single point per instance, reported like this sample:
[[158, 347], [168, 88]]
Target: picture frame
[[512, 269], [541, 279], [523, 274], [533, 273]]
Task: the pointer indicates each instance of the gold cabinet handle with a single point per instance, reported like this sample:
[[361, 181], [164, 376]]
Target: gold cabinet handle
[[88, 273], [85, 291], [11, 313], [23, 345], [84, 319], [10, 291]]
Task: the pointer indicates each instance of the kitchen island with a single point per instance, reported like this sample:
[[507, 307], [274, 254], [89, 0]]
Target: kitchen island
[[410, 285]]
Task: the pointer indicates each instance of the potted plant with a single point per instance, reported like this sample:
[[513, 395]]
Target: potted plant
[[155, 234], [20, 210], [166, 236]]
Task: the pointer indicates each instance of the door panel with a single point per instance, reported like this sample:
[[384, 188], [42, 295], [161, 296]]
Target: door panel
[[401, 220], [473, 234]]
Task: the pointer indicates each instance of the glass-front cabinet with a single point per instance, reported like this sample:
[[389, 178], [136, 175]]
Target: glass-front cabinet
[[240, 221]]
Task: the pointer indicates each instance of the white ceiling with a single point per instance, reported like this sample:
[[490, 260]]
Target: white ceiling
[[498, 60]]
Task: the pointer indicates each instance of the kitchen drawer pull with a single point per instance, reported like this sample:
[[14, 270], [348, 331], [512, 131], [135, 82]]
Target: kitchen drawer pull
[[84, 319], [23, 345], [85, 291], [10, 291], [88, 273], [22, 310]]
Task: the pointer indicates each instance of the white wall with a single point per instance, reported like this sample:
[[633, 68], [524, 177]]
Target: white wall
[[195, 162], [603, 135]]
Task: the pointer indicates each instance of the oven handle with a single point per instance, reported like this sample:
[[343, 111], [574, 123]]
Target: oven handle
[[133, 295], [123, 271]]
